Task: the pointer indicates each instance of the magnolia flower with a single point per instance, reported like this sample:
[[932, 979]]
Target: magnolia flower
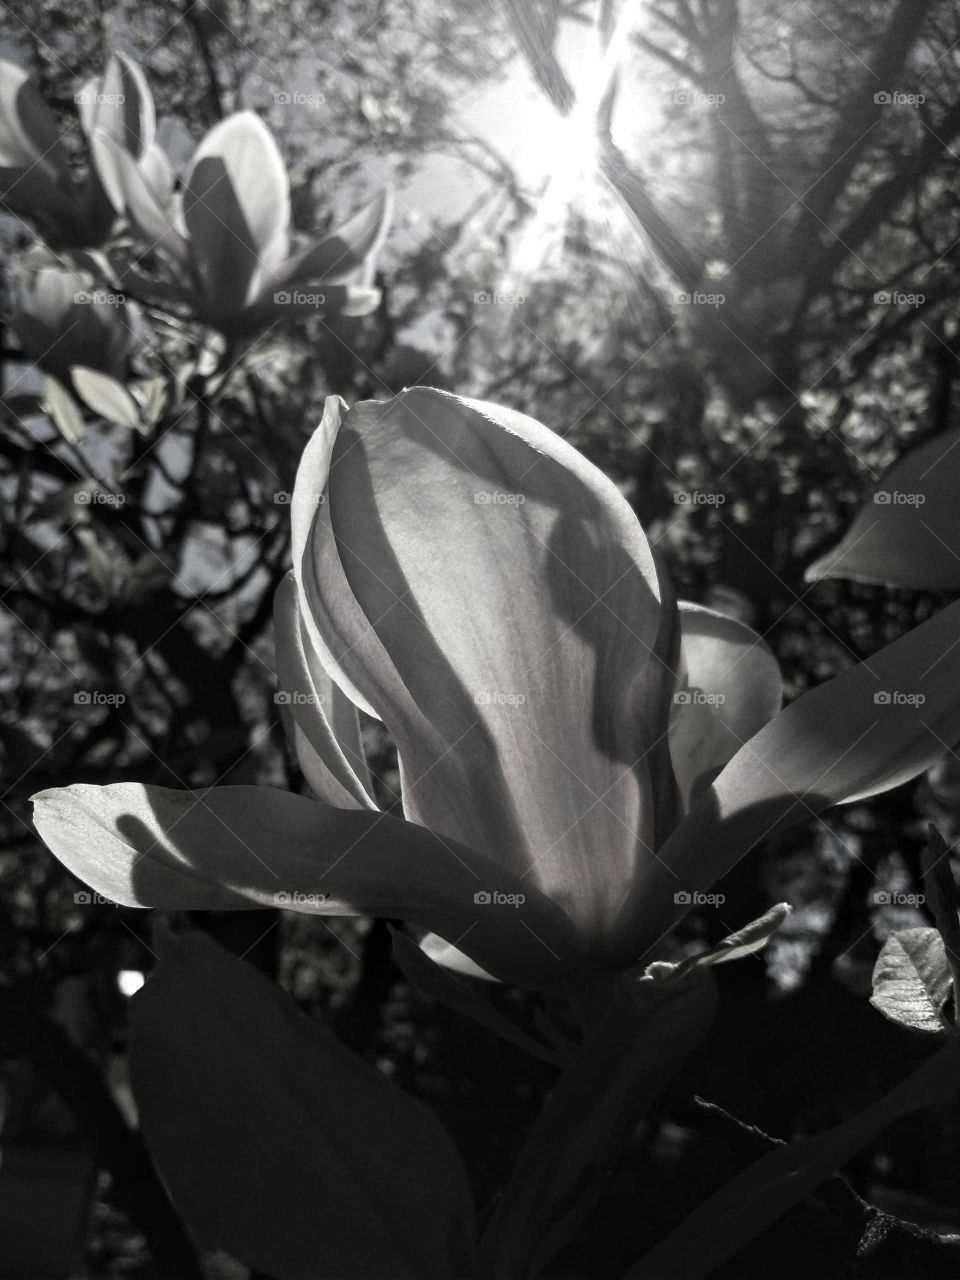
[[580, 757], [227, 235], [64, 320], [36, 176]]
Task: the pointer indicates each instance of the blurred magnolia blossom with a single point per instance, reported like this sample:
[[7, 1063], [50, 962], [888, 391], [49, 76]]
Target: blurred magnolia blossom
[[64, 320], [37, 179], [226, 234], [222, 233], [581, 757]]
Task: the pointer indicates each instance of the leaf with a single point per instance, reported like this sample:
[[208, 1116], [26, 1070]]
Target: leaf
[[150, 394], [751, 938], [907, 533], [63, 410], [624, 1064], [450, 989], [911, 979], [278, 1144], [106, 397], [750, 1202]]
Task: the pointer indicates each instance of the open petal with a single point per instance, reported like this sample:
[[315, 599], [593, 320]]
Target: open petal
[[130, 188], [907, 533], [236, 847], [236, 205], [487, 592], [120, 105], [344, 252], [729, 686], [33, 160], [869, 729], [326, 730]]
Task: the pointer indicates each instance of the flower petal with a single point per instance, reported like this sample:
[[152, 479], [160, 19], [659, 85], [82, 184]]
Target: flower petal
[[869, 729], [907, 533], [329, 750], [238, 847], [236, 205], [486, 591], [729, 687], [120, 105], [348, 249], [130, 188]]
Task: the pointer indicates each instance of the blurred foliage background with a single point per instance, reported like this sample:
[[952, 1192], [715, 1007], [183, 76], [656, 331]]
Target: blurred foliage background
[[799, 163]]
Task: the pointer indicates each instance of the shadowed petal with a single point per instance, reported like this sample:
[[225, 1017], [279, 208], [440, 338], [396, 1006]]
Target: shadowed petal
[[236, 847], [236, 205], [326, 734], [729, 687], [487, 592], [869, 729]]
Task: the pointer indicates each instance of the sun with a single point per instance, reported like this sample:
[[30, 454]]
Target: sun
[[567, 147]]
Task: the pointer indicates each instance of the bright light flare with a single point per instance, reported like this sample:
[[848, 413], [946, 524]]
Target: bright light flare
[[569, 145]]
